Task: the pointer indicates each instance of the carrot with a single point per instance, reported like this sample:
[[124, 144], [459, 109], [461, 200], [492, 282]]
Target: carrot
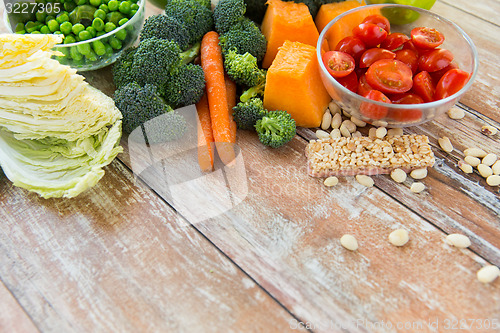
[[211, 62], [205, 136], [231, 103]]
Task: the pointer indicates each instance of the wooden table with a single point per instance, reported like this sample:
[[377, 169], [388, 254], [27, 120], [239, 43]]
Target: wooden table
[[120, 259]]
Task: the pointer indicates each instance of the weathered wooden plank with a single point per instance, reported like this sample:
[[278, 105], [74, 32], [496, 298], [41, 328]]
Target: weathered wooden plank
[[487, 10], [118, 259], [12, 316]]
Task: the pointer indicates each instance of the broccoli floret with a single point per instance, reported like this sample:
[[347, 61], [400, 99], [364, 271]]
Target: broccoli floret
[[276, 128], [311, 4], [242, 68], [165, 27], [122, 68], [185, 86], [323, 2], [169, 126], [247, 113], [196, 17], [257, 90], [256, 9], [227, 14], [244, 37]]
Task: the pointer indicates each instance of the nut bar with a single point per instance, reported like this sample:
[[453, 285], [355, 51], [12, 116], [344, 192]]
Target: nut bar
[[362, 155]]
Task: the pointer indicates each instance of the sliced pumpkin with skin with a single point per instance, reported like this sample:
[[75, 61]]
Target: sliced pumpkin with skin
[[294, 84]]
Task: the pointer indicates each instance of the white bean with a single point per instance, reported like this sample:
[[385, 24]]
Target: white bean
[[475, 152], [458, 240], [349, 242], [381, 132], [365, 180], [398, 175], [489, 159], [419, 173], [456, 113], [484, 170], [335, 133], [320, 134], [346, 114], [380, 123], [417, 187], [331, 181], [357, 134], [372, 132], [395, 131], [344, 131], [351, 127], [445, 144], [473, 161], [467, 168], [496, 168], [488, 274], [358, 122], [326, 122], [493, 180], [336, 120], [399, 237]]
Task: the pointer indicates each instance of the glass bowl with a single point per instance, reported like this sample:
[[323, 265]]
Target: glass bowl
[[456, 41], [115, 42]]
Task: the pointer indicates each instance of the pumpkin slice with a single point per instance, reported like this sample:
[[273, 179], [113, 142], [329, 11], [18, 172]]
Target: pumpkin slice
[[294, 84]]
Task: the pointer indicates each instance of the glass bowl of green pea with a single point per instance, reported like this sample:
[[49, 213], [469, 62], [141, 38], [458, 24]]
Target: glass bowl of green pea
[[95, 32]]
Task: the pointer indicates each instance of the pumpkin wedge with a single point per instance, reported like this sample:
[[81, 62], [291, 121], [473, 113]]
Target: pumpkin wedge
[[294, 84]]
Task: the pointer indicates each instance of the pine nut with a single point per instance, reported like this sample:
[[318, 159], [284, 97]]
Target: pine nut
[[493, 180], [473, 161], [489, 159], [445, 144], [458, 240], [358, 122], [364, 180], [399, 237], [357, 134], [419, 173], [351, 127], [488, 130], [327, 121], [333, 107], [336, 120], [398, 175], [335, 133], [344, 131], [417, 187], [331, 181], [467, 168], [475, 152], [496, 168], [484, 170], [395, 131], [488, 274], [372, 132], [456, 113], [320, 134], [349, 242], [381, 132]]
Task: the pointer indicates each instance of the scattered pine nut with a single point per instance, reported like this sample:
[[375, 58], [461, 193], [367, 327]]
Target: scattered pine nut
[[364, 180], [372, 132], [398, 175], [484, 170], [467, 168], [344, 131], [327, 121], [489, 159], [496, 168], [456, 113], [320, 134], [336, 120], [349, 242], [358, 122], [334, 108], [488, 130], [445, 144], [394, 131], [417, 187], [357, 134], [381, 132], [331, 181], [419, 173], [458, 240], [351, 127], [493, 180], [475, 152], [335, 133], [399, 237], [488, 274], [473, 161]]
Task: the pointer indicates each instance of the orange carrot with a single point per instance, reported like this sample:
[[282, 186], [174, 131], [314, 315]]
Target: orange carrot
[[205, 136], [212, 64], [231, 103]]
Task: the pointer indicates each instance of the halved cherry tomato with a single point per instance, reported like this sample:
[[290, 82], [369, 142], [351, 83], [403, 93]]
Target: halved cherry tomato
[[371, 55], [389, 76], [371, 34], [409, 57], [434, 60], [410, 46], [409, 115], [372, 111], [363, 86], [350, 82], [406, 98], [338, 64], [351, 45], [379, 20], [394, 41], [451, 82], [426, 38], [423, 86], [437, 75]]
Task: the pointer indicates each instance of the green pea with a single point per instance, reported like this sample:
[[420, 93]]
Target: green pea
[[115, 43], [62, 17], [100, 14], [122, 21], [35, 32], [64, 50], [80, 2], [98, 24], [45, 30], [113, 5], [109, 26], [31, 26], [83, 48], [92, 31], [69, 39], [69, 6], [124, 7], [121, 34], [84, 35], [49, 17], [77, 28], [66, 27], [104, 8], [114, 17], [21, 32], [40, 16], [109, 49], [134, 6], [57, 32], [99, 47], [132, 12], [95, 3], [19, 27], [91, 56]]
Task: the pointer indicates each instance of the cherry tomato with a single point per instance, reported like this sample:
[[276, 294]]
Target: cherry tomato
[[379, 20], [426, 38], [351, 45], [409, 57], [394, 41], [374, 54], [389, 76], [406, 98], [435, 60], [373, 111], [423, 86], [408, 115], [371, 34], [437, 75], [451, 82], [350, 82], [410, 46], [363, 86], [338, 64]]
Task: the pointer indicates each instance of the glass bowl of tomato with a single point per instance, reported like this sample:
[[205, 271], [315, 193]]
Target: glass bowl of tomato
[[395, 74]]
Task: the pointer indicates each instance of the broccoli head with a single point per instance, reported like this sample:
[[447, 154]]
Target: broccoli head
[[185, 86], [243, 68], [165, 27], [276, 128], [244, 37], [246, 114], [256, 9], [227, 14], [169, 126], [122, 68], [195, 16], [255, 91]]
